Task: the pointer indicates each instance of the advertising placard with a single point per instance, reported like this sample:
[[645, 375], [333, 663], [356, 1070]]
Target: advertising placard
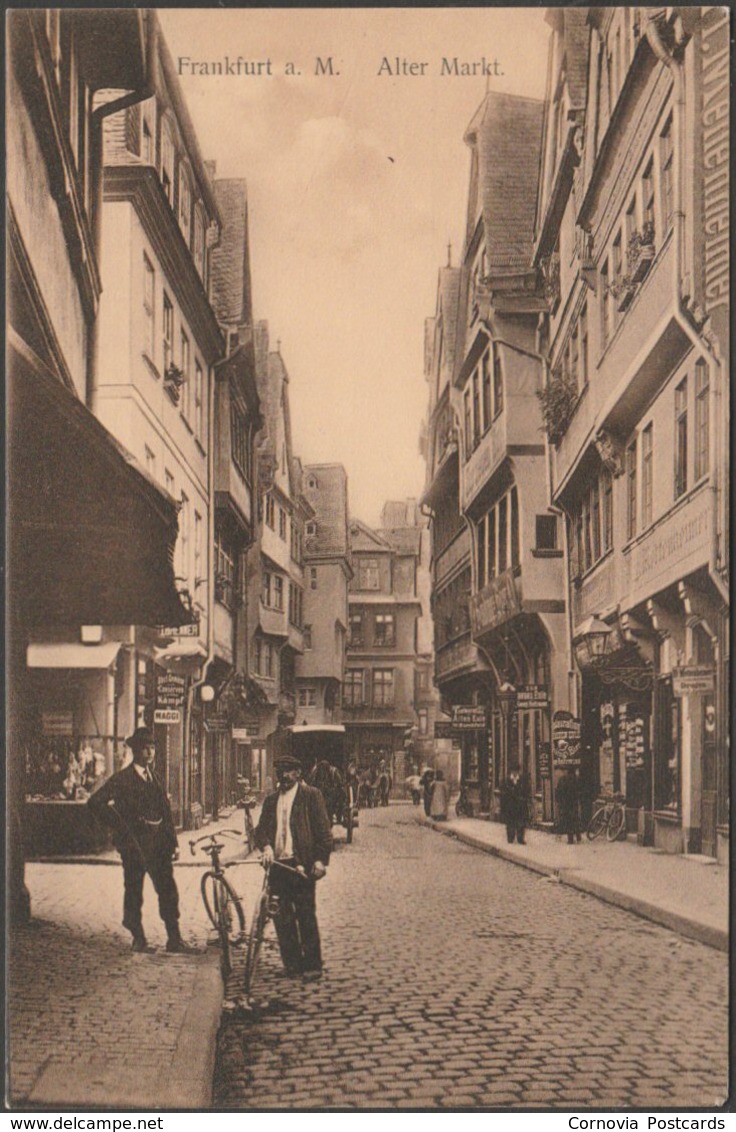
[[167, 715], [565, 739]]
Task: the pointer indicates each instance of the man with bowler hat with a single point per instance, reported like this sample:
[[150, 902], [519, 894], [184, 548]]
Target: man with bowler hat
[[294, 830], [134, 805]]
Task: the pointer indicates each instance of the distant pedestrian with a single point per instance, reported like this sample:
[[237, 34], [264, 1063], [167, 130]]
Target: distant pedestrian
[[414, 786], [515, 807], [133, 804], [427, 780], [439, 802], [568, 804]]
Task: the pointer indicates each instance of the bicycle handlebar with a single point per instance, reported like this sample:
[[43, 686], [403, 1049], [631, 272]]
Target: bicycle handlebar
[[211, 838]]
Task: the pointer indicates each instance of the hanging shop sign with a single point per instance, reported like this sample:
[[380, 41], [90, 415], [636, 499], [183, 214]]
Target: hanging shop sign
[[532, 697], [218, 722], [191, 630], [693, 680], [171, 690], [468, 718], [565, 739], [167, 715], [245, 733], [545, 761]]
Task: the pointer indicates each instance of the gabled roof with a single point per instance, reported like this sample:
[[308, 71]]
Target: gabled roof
[[364, 538], [506, 135], [329, 499], [404, 540]]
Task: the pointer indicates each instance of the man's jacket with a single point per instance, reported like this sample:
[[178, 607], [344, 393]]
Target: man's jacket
[[140, 811], [311, 832]]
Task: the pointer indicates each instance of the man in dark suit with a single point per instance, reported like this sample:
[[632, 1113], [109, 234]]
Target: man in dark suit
[[294, 830], [134, 805], [515, 803]]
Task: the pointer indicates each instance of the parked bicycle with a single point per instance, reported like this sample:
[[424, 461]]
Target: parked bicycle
[[222, 903], [609, 817], [463, 806]]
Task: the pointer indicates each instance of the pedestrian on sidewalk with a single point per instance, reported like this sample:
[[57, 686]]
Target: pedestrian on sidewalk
[[515, 807], [568, 804], [414, 786], [133, 804], [427, 780], [439, 802], [294, 830]]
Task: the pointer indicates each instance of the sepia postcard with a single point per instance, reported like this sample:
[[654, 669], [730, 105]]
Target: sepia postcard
[[368, 591]]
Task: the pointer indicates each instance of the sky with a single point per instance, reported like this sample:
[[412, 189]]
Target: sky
[[357, 182]]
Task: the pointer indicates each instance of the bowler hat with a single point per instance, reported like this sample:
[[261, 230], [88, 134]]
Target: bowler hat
[[288, 762], [141, 737]]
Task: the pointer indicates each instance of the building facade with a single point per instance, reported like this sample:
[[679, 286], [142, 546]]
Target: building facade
[[630, 231], [158, 342], [237, 420], [320, 669], [380, 674], [497, 555], [91, 535]]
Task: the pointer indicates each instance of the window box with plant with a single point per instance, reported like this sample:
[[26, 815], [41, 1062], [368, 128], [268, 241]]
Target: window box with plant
[[173, 382], [558, 400], [640, 252]]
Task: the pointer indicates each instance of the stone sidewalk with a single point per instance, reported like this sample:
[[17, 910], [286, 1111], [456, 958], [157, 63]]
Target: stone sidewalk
[[91, 1025], [688, 894]]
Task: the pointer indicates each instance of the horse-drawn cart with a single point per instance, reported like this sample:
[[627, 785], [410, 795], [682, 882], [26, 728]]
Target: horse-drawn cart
[[322, 751]]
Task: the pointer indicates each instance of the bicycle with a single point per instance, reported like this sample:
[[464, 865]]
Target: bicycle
[[609, 815], [266, 907], [463, 806], [221, 901]]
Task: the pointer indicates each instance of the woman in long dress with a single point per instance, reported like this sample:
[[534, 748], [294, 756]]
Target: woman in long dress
[[440, 798]]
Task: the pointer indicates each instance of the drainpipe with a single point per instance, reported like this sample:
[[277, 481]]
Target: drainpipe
[[684, 270], [132, 98]]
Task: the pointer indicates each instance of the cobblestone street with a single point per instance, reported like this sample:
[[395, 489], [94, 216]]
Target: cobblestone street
[[455, 979]]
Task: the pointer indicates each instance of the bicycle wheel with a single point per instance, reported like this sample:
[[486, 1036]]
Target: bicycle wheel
[[255, 939], [207, 886], [597, 824], [230, 922], [616, 824]]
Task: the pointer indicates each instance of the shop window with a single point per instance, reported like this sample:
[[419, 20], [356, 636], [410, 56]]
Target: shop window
[[472, 760], [668, 748]]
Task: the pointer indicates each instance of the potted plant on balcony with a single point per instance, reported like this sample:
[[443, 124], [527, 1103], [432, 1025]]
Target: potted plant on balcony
[[623, 290], [173, 380], [550, 266], [558, 400], [640, 252]]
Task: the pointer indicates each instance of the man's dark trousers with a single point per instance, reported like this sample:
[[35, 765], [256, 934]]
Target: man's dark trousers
[[159, 866], [296, 920]]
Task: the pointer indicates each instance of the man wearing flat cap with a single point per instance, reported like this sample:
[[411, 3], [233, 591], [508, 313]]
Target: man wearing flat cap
[[134, 805], [294, 830]]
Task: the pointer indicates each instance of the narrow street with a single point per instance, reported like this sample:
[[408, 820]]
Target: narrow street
[[455, 979]]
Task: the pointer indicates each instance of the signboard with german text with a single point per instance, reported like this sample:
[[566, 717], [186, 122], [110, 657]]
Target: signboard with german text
[[167, 715], [468, 718], [565, 739], [217, 723], [693, 680], [170, 690], [191, 630], [532, 697], [250, 731]]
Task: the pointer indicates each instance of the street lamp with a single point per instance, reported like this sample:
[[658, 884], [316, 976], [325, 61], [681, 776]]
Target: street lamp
[[592, 642], [506, 696]]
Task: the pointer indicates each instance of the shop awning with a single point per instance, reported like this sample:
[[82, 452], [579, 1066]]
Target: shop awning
[[69, 654], [181, 651], [91, 536]]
